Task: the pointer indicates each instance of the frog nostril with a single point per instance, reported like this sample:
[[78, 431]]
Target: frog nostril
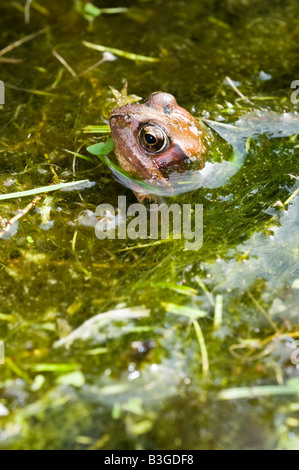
[[167, 109], [114, 117]]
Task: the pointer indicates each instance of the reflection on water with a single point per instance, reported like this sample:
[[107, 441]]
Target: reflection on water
[[217, 174]]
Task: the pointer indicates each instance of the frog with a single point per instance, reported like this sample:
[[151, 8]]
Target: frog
[[156, 138]]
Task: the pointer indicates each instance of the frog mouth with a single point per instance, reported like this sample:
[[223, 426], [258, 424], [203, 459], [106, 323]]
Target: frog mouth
[[174, 159]]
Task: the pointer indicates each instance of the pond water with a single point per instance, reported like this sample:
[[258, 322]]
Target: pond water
[[194, 349]]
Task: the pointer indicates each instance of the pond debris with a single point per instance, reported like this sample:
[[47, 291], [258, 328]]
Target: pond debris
[[236, 393], [207, 293], [202, 346], [76, 379], [185, 290], [90, 12], [294, 194], [39, 191], [22, 41], [143, 245], [53, 367], [16, 369], [265, 346], [229, 81], [101, 148], [27, 11], [45, 210], [28, 90], [262, 310], [46, 189], [185, 311], [122, 98], [107, 57], [90, 326], [55, 179], [102, 129], [218, 312], [6, 60], [8, 317], [252, 345], [64, 63], [17, 217], [120, 53], [3, 410], [192, 314], [45, 213]]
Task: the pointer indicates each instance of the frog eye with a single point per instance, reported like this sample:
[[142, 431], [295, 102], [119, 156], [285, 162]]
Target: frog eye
[[152, 138]]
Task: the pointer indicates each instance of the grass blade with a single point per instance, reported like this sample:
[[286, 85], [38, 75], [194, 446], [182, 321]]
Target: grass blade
[[104, 129], [256, 392], [125, 54], [202, 346], [189, 312], [43, 189]]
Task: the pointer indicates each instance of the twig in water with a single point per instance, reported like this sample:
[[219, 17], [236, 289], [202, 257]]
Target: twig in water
[[262, 310], [107, 57], [6, 60], [127, 55], [203, 287], [64, 63], [27, 11], [19, 43], [92, 67], [20, 215], [231, 83], [291, 197], [203, 348], [26, 90], [258, 391], [218, 312], [43, 189]]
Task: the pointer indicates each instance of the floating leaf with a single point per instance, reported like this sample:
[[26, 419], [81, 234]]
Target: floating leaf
[[101, 148]]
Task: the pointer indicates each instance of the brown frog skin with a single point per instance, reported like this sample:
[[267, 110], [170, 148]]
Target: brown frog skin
[[157, 137]]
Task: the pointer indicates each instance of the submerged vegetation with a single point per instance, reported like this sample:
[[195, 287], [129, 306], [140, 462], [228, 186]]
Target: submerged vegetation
[[122, 344]]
